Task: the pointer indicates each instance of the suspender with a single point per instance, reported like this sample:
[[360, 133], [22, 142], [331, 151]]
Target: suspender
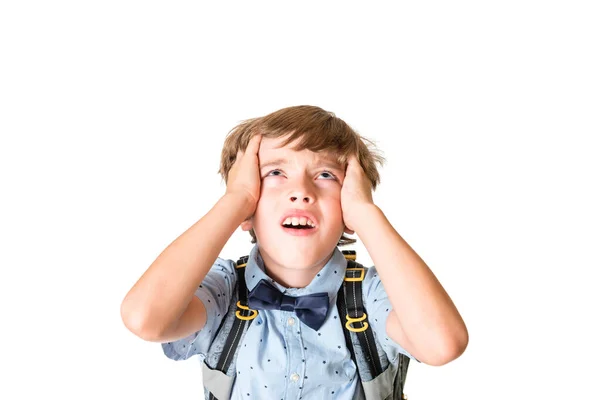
[[351, 310], [244, 316], [350, 307]]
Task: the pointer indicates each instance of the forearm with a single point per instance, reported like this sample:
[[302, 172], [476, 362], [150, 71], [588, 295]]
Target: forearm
[[161, 295], [426, 313]]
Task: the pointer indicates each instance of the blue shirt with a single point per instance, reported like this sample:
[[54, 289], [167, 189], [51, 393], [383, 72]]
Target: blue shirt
[[280, 357]]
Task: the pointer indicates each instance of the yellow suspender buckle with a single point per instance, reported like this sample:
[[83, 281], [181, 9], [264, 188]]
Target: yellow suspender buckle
[[238, 314], [356, 279], [359, 319], [245, 318]]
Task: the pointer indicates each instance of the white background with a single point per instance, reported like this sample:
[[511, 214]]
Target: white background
[[112, 116]]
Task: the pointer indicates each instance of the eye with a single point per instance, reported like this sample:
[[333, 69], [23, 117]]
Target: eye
[[331, 176], [279, 173]]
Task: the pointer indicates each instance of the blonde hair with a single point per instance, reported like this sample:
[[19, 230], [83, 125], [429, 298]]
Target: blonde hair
[[316, 130]]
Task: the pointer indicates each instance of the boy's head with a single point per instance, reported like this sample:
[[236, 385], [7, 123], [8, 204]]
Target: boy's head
[[312, 147]]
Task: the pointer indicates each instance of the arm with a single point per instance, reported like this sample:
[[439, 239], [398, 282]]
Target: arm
[[424, 320], [161, 306]]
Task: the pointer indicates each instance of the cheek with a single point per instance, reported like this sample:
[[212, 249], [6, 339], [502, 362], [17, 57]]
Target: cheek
[[264, 208], [334, 209], [268, 192], [335, 196], [271, 182]]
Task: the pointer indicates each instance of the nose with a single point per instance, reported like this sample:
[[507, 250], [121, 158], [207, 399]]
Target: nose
[[302, 193], [305, 199]]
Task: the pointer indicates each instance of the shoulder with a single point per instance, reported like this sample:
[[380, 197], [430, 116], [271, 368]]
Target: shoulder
[[219, 282], [223, 267], [374, 294], [224, 263], [371, 273], [370, 284], [371, 281]]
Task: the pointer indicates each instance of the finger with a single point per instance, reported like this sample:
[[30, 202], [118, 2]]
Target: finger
[[352, 161], [238, 156], [254, 144]]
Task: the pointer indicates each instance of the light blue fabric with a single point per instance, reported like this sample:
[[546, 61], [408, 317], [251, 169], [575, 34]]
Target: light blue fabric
[[278, 347]]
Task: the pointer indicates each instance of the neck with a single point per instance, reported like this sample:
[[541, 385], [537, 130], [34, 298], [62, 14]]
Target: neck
[[292, 277]]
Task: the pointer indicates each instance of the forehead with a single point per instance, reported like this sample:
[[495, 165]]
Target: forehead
[[272, 149], [275, 145]]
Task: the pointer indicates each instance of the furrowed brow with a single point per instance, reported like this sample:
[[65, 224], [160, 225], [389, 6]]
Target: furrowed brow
[[274, 163], [330, 164]]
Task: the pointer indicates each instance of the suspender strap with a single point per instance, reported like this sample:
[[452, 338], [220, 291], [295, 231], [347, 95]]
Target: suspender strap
[[341, 306], [244, 317], [352, 287]]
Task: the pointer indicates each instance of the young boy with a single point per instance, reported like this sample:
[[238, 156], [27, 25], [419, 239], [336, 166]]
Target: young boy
[[297, 180]]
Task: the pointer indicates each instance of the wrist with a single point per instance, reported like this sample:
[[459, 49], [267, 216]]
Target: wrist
[[364, 216], [243, 206]]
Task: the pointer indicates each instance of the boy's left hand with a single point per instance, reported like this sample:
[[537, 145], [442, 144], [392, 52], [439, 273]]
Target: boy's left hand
[[356, 193]]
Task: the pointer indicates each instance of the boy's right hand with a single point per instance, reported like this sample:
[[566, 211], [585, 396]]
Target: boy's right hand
[[243, 179]]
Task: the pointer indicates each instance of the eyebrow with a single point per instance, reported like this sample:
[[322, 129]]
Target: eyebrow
[[320, 162]]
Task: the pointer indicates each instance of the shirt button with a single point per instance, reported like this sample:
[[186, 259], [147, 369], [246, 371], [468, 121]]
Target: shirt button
[[291, 321], [295, 377]]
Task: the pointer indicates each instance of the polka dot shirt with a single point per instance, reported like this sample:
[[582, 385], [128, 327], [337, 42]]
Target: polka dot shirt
[[280, 357]]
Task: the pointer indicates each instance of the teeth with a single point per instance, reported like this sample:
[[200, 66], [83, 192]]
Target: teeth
[[298, 221]]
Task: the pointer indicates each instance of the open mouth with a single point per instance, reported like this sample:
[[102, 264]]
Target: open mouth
[[298, 223], [298, 226]]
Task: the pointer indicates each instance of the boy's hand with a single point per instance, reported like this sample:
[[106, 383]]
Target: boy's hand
[[243, 179], [356, 193]]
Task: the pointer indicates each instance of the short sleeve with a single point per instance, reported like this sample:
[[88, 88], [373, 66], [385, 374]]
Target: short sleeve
[[216, 292], [378, 309]]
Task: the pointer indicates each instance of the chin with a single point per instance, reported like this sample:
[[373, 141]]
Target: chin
[[297, 252], [297, 260], [304, 259]]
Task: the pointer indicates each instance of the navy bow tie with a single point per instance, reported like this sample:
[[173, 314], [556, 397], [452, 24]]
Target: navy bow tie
[[311, 308]]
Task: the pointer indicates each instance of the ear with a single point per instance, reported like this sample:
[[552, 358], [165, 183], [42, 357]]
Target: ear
[[246, 225]]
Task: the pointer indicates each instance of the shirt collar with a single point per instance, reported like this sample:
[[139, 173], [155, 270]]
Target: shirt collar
[[328, 279]]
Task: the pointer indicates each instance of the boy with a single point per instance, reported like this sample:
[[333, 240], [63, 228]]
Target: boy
[[297, 180]]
